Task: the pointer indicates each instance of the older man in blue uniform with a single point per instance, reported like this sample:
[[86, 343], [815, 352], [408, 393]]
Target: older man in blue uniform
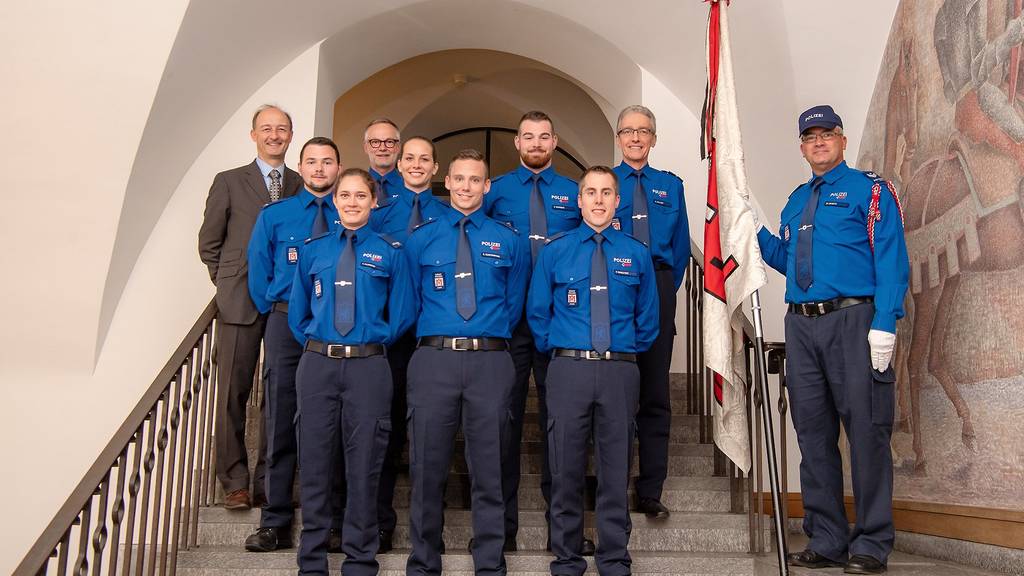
[[352, 296], [381, 142], [277, 240], [470, 274], [844, 255], [539, 203], [413, 205], [653, 210], [593, 305]]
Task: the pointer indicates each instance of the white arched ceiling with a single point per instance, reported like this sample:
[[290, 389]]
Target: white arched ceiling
[[494, 89], [226, 50]]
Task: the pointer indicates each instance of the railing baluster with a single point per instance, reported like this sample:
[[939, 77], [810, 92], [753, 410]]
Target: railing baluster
[[161, 448], [134, 485], [193, 440], [99, 536], [171, 443], [198, 498], [149, 460], [210, 455], [117, 512], [82, 563], [181, 464], [62, 558]]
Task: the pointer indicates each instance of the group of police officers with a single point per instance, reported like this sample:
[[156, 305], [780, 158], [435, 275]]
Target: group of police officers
[[388, 314]]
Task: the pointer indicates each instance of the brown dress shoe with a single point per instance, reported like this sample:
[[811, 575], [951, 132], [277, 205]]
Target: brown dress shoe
[[237, 500]]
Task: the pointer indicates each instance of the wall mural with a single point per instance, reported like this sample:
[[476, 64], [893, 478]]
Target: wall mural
[[946, 124]]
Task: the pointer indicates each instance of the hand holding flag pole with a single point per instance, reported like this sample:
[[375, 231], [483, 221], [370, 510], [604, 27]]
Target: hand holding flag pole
[[733, 270]]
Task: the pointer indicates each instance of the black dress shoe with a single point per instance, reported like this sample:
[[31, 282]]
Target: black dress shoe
[[653, 508], [334, 541], [385, 544], [269, 539], [864, 564], [510, 545], [810, 559], [588, 548]]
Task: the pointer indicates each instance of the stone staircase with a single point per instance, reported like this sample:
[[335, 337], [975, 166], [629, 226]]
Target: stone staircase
[[701, 537]]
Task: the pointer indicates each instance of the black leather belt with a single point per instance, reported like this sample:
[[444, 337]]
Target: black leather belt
[[280, 307], [813, 309], [464, 344], [345, 350], [594, 355]]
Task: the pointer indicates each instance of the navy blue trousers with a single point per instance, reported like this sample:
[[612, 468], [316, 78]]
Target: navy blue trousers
[[448, 389], [525, 357], [830, 380], [599, 398], [399, 355], [344, 406], [280, 360], [654, 419]]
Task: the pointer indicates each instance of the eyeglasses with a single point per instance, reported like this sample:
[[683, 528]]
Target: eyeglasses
[[825, 137], [375, 143], [630, 132]]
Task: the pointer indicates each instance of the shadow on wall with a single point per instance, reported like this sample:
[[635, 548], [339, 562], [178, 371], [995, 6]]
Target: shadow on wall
[[946, 123]]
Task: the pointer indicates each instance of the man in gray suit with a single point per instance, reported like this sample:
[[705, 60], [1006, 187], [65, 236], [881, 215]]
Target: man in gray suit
[[235, 200]]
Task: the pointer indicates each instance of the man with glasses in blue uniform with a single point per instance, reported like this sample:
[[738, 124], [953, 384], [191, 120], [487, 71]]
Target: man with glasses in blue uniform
[[844, 255], [380, 142]]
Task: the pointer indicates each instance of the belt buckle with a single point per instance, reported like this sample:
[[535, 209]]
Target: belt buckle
[[332, 351], [821, 308], [475, 342], [595, 355]]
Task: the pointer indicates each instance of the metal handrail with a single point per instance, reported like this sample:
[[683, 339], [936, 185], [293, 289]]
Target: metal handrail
[[154, 456]]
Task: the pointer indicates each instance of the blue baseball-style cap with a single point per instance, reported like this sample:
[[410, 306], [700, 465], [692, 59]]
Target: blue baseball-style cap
[[823, 116]]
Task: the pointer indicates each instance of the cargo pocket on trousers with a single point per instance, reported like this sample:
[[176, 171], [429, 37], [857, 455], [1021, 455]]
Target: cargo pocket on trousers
[[380, 441], [554, 448], [883, 397]]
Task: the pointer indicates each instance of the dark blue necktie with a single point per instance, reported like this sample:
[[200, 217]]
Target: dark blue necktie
[[345, 286], [382, 191], [538, 219], [320, 222], [465, 288], [415, 218], [805, 237], [641, 222], [600, 316]]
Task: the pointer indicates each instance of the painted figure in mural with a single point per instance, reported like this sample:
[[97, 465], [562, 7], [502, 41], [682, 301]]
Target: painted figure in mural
[[963, 205]]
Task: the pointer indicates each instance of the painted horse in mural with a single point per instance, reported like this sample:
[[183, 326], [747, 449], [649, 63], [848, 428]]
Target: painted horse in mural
[[962, 208]]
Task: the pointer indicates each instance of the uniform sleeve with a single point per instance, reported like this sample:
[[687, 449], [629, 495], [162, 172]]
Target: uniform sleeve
[[401, 300], [300, 313], [518, 280], [773, 249], [489, 200], [261, 263], [892, 267], [215, 225], [376, 220], [681, 241], [539, 301], [646, 312]]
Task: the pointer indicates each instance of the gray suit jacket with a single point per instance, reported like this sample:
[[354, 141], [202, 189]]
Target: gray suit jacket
[[235, 200]]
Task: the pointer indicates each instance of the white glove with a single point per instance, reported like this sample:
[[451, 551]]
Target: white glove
[[881, 343]]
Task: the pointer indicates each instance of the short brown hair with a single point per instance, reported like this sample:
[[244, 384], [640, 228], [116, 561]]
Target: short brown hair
[[370, 183], [433, 149], [469, 154], [600, 169], [537, 116], [320, 141], [266, 107]]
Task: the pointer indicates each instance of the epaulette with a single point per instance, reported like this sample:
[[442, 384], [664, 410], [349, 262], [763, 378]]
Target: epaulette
[[499, 177], [424, 223], [509, 225], [280, 202], [634, 238], [797, 188], [394, 243], [561, 234], [672, 174], [318, 236]]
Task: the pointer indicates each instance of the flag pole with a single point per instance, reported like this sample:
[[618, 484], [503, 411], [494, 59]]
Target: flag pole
[[761, 379]]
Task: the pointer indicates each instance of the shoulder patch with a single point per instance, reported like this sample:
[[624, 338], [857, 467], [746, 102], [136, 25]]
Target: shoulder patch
[[394, 243], [318, 236], [561, 234]]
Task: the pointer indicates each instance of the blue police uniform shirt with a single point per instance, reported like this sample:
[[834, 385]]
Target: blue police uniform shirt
[[394, 182], [843, 262], [277, 239], [666, 214], [393, 218], [384, 291], [509, 202], [265, 170], [558, 305], [500, 272]]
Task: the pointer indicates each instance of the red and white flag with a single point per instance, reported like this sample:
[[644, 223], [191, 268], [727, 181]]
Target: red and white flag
[[733, 268]]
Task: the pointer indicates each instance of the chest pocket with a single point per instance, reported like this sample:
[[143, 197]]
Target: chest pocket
[[501, 261], [627, 277], [374, 269]]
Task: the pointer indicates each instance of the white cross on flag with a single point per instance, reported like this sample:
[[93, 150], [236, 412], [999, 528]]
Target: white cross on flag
[[733, 268]]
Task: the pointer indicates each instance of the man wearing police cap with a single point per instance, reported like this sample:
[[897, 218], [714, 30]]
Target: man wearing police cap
[[845, 259]]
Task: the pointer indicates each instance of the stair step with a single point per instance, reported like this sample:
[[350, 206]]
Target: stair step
[[682, 532], [683, 459], [685, 429], [232, 561]]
